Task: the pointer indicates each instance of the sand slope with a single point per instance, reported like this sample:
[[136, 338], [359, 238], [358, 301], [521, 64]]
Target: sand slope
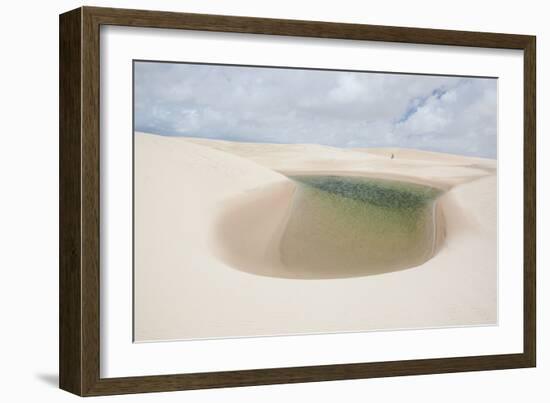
[[185, 288], [437, 169]]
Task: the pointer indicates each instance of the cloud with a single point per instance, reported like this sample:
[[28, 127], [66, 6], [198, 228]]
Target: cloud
[[343, 109], [461, 118]]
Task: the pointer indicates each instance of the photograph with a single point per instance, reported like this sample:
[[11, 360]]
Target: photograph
[[256, 198], [272, 201]]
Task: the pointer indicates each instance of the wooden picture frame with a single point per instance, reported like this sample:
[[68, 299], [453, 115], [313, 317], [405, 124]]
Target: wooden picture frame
[[80, 199]]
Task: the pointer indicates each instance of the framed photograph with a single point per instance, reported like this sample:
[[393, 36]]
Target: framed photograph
[[248, 201]]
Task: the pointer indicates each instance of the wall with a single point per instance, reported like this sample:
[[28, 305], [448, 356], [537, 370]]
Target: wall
[[29, 202]]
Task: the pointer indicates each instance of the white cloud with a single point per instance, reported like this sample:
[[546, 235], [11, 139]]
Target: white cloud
[[342, 109], [462, 119]]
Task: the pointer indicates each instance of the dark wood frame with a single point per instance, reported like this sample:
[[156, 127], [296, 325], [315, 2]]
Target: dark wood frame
[[79, 201]]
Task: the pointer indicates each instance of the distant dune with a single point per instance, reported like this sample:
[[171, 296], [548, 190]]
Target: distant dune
[[219, 237]]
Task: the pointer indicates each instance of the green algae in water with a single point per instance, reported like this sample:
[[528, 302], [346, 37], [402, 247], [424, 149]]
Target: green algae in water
[[382, 193], [352, 226]]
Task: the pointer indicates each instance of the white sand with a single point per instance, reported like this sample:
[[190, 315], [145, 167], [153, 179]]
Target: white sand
[[186, 289]]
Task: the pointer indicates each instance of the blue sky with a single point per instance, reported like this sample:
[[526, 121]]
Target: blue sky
[[342, 109]]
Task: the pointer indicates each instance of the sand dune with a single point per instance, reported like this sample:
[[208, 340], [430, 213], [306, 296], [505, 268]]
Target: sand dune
[[211, 216], [424, 167]]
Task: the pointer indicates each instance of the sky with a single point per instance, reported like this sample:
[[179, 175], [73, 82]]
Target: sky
[[456, 115]]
